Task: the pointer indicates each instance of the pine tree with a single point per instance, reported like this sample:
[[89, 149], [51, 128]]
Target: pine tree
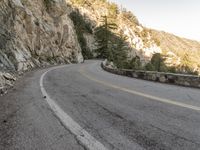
[[120, 51], [158, 62], [103, 35]]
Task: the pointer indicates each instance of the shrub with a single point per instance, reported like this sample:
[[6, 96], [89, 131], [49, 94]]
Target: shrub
[[48, 3], [81, 27]]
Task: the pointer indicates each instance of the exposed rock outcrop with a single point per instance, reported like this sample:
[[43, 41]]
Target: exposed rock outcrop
[[90, 41], [36, 33]]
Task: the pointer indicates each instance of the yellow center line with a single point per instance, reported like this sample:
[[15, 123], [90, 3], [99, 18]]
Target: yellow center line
[[150, 97]]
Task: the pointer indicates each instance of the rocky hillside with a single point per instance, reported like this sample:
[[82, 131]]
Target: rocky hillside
[[179, 53], [139, 39], [35, 33], [179, 48]]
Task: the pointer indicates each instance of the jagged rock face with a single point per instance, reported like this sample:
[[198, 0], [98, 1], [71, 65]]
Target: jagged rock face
[[142, 46], [36, 32], [91, 41]]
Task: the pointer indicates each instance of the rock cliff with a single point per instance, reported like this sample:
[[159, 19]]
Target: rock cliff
[[36, 33]]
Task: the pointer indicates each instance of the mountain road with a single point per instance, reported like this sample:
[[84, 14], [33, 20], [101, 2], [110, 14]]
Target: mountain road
[[81, 106]]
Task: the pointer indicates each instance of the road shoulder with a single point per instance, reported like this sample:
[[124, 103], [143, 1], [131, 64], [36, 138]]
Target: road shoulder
[[27, 121]]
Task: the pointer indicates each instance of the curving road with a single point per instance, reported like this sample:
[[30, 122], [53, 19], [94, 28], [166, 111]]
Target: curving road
[[78, 107]]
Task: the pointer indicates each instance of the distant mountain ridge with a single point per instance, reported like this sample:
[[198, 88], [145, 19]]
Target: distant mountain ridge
[[181, 47]]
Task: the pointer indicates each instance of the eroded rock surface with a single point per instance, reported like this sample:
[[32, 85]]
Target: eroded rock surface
[[36, 33]]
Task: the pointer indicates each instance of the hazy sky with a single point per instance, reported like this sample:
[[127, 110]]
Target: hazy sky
[[181, 17]]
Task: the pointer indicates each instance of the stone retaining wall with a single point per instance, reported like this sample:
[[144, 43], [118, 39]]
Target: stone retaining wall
[[177, 79]]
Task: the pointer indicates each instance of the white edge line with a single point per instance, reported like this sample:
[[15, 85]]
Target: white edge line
[[150, 97], [82, 135]]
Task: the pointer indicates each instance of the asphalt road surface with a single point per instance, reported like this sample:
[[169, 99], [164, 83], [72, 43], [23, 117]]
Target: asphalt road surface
[[80, 106]]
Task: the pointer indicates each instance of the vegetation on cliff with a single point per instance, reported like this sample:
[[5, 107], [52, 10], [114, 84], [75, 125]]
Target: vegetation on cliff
[[81, 27], [141, 44], [110, 45]]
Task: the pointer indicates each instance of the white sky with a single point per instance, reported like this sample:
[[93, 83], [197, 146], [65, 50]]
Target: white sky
[[180, 17]]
